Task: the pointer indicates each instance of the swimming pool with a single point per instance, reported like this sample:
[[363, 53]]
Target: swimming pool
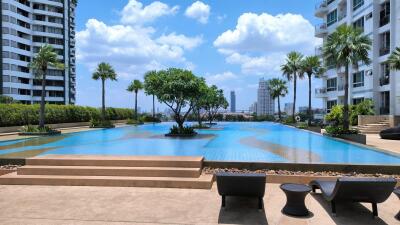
[[245, 142]]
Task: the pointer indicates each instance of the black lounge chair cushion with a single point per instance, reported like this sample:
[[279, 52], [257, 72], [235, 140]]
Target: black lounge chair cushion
[[374, 190], [391, 133], [241, 184]]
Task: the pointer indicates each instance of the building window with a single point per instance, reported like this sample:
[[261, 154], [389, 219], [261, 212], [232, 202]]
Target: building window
[[331, 84], [357, 101], [358, 79], [6, 90], [384, 74], [359, 24], [368, 16], [384, 15], [331, 18], [330, 105], [385, 103], [330, 1], [357, 4], [385, 43]]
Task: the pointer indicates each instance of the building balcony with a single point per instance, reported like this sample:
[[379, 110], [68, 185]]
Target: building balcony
[[321, 30], [321, 93], [384, 80], [321, 9]]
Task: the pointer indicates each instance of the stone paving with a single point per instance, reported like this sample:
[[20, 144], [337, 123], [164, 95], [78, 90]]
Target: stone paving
[[104, 205]]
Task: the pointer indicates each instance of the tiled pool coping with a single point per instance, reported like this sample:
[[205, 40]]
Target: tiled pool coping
[[317, 167]]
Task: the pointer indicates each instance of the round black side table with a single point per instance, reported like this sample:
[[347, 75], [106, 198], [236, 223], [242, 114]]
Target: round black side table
[[397, 192], [295, 196]]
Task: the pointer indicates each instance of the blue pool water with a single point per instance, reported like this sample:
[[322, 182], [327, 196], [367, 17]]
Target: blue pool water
[[248, 142]]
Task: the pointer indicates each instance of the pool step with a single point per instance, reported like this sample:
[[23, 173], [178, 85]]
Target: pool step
[[202, 182], [110, 171], [114, 171], [116, 161]]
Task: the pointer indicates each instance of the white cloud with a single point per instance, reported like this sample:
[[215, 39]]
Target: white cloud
[[221, 77], [132, 50], [259, 43], [264, 65], [199, 11], [135, 13], [180, 40]]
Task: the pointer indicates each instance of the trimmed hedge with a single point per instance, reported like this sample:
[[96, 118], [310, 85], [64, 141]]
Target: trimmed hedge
[[20, 114]]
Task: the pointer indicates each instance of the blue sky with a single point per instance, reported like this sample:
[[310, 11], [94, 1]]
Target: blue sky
[[231, 43]]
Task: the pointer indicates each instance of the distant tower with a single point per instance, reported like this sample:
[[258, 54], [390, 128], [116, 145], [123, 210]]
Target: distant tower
[[265, 103], [233, 101]]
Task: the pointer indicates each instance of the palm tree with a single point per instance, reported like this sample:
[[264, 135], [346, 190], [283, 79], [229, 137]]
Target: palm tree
[[394, 59], [104, 72], [292, 70], [277, 88], [45, 58], [149, 92], [347, 46], [311, 65], [135, 86]]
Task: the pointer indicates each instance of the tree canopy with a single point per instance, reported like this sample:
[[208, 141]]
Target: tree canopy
[[177, 88]]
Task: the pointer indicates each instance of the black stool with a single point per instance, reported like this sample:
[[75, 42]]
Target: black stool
[[295, 195]]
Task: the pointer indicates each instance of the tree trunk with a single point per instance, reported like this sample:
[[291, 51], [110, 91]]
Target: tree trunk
[[103, 100], [136, 114], [294, 96], [309, 100], [199, 120], [346, 99], [154, 108], [180, 122], [42, 101], [279, 109]]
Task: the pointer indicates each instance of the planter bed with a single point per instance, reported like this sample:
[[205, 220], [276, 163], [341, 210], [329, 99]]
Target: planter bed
[[55, 132], [358, 138], [181, 135], [285, 176]]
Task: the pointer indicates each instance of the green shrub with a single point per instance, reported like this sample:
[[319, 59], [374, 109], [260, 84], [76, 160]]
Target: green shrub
[[288, 120], [36, 129], [20, 114], [338, 130], [302, 125], [134, 122], [336, 115], [94, 123], [366, 107], [187, 130], [150, 119]]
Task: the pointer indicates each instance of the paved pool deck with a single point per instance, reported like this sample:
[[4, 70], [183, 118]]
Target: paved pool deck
[[104, 205]]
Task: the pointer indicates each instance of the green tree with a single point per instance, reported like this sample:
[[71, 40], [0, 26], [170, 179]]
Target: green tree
[[278, 88], [347, 46], [45, 58], [151, 92], [135, 87], [394, 59], [292, 70], [214, 101], [104, 72], [4, 99], [311, 65], [201, 101], [176, 88]]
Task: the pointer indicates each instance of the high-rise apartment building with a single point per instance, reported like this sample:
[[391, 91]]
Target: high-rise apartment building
[[26, 26], [380, 20], [233, 101], [265, 103]]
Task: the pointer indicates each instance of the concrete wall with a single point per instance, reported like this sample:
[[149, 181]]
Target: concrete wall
[[394, 121]]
